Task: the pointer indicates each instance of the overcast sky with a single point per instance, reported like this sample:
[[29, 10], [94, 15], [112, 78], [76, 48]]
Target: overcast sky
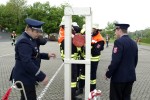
[[133, 12]]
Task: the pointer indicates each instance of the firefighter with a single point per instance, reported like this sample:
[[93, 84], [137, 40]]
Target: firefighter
[[97, 45], [13, 37], [107, 40], [77, 31], [74, 56]]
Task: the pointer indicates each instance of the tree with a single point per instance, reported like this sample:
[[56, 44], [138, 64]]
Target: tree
[[12, 13], [109, 29], [51, 15]]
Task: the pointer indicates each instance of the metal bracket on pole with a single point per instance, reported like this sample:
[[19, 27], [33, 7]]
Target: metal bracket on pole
[[69, 11]]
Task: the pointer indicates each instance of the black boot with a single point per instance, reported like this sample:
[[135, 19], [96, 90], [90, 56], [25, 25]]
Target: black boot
[[79, 91]]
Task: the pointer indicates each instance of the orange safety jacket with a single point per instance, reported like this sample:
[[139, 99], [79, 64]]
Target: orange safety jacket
[[61, 35], [97, 38]]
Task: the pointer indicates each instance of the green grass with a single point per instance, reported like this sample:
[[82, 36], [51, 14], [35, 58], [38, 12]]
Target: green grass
[[141, 43], [146, 44]]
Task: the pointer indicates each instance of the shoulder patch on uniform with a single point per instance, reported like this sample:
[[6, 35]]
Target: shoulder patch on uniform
[[115, 49], [98, 46]]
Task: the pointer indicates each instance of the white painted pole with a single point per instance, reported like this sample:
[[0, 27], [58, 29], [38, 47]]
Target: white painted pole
[[69, 11], [67, 67]]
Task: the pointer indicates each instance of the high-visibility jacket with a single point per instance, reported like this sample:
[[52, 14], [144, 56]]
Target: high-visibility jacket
[[61, 35], [97, 45], [96, 38], [74, 51]]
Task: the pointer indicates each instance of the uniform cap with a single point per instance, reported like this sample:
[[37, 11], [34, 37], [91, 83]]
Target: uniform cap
[[122, 26], [35, 24]]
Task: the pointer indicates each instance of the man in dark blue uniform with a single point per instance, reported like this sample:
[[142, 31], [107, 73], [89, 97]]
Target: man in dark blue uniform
[[122, 67], [26, 67], [41, 41]]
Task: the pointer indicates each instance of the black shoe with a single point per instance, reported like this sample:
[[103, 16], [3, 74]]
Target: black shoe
[[79, 91]]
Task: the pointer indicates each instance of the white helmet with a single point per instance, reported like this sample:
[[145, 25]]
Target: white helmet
[[83, 26], [63, 18], [96, 26], [75, 24], [82, 30], [62, 21]]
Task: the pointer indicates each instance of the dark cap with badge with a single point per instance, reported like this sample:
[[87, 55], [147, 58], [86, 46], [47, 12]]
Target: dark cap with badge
[[34, 24], [121, 26]]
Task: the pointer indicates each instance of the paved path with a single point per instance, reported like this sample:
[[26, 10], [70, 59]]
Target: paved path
[[141, 88]]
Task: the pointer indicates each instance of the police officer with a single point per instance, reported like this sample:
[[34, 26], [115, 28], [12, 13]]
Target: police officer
[[122, 67], [42, 41], [97, 45], [26, 68]]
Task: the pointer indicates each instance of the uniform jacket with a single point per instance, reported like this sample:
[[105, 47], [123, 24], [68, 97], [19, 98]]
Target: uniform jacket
[[41, 41], [124, 60], [26, 69]]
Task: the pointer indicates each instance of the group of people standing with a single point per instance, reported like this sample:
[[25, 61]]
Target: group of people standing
[[78, 70], [121, 70]]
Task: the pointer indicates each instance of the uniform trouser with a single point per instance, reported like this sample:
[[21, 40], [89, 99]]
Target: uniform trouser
[[120, 91], [79, 69], [94, 66], [73, 80], [13, 42], [30, 92], [107, 43]]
